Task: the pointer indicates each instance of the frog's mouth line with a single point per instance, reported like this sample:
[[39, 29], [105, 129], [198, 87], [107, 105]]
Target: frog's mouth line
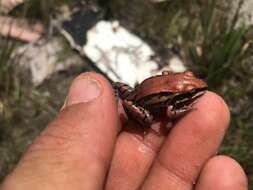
[[187, 98]]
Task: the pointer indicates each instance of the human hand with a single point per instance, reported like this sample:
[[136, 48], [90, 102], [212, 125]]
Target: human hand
[[86, 148]]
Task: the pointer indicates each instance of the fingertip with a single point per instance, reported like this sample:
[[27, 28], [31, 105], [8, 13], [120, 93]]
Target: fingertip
[[103, 81], [224, 173], [90, 96], [228, 162], [87, 87], [213, 109]]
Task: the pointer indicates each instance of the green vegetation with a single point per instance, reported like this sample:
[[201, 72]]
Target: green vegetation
[[215, 43], [9, 82], [9, 94]]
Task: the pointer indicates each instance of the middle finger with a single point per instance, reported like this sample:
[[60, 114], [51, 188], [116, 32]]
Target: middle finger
[[133, 156]]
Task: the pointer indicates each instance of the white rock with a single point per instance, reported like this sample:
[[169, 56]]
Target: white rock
[[44, 58], [175, 64], [120, 54], [246, 15]]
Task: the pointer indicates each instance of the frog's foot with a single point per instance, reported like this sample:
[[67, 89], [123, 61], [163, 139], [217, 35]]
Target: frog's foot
[[122, 90], [139, 114], [175, 113]]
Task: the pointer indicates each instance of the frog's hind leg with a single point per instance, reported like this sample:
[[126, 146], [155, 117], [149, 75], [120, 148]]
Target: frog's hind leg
[[137, 113], [122, 90]]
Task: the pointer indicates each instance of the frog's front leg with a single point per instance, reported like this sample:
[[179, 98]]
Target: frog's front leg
[[138, 113], [176, 113], [123, 91]]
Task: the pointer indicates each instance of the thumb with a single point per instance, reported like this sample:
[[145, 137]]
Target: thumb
[[74, 151]]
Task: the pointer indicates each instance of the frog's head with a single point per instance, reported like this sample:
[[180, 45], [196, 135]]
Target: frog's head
[[189, 88]]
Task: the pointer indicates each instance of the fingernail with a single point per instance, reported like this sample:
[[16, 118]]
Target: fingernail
[[83, 89]]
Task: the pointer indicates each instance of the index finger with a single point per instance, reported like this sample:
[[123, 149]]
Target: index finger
[[192, 141]]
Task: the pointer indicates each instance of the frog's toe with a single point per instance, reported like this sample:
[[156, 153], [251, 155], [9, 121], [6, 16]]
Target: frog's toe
[[176, 113]]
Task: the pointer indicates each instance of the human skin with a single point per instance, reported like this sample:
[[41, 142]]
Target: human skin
[[90, 145]]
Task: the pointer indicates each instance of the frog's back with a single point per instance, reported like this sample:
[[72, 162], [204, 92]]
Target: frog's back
[[171, 84]]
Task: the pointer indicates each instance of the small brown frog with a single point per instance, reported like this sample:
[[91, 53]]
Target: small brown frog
[[170, 94]]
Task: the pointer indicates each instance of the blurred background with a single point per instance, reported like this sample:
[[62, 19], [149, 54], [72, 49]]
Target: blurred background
[[44, 44]]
